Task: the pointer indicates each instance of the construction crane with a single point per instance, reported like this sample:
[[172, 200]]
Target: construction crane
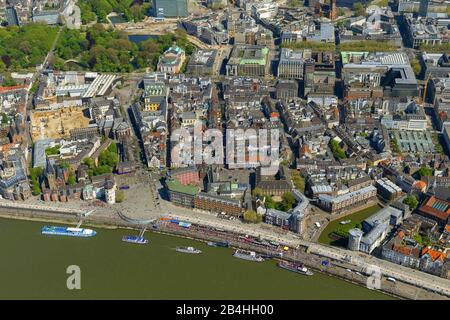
[[424, 96]]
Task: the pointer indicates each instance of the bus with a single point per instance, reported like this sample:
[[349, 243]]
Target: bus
[[391, 279]]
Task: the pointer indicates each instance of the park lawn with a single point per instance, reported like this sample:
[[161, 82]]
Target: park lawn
[[356, 218]]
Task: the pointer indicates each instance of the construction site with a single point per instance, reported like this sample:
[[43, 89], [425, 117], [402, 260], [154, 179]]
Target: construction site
[[57, 124]]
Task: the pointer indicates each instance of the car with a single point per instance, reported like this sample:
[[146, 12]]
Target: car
[[125, 187]]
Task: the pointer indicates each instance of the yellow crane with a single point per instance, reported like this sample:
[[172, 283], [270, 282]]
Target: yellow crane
[[424, 96]]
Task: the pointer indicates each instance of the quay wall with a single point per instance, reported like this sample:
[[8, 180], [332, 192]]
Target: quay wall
[[312, 260]]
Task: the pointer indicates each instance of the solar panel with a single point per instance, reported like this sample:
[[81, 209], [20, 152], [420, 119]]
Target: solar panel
[[440, 206]]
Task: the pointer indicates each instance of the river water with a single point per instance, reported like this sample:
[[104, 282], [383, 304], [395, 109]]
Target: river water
[[33, 266]]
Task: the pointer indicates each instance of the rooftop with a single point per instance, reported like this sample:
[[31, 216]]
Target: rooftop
[[176, 186]]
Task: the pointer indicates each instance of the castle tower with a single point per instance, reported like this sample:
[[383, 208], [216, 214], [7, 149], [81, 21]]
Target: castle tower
[[110, 192], [354, 239]]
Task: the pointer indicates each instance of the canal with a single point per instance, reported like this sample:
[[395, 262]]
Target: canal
[[34, 266]]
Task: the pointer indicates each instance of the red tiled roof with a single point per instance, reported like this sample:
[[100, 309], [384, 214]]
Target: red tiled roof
[[420, 184], [427, 208], [407, 251], [434, 254], [3, 89]]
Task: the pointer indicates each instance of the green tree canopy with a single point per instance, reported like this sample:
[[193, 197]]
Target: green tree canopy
[[71, 179], [337, 150], [269, 204], [411, 201], [425, 172], [24, 47], [359, 9], [120, 196], [252, 216]]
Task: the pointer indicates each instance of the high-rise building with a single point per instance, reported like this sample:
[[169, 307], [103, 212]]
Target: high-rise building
[[291, 63], [170, 8]]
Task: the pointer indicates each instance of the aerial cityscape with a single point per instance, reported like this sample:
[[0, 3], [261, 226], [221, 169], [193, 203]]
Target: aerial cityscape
[[208, 135]]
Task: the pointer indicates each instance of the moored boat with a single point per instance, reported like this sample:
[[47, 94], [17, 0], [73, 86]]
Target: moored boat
[[135, 239], [248, 255], [218, 244], [68, 231], [188, 250], [295, 267]]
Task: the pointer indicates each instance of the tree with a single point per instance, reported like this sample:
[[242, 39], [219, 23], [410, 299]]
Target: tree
[[102, 169], [250, 216], [64, 164], [411, 201], [288, 198], [394, 146], [120, 196], [89, 162], [298, 180], [425, 172], [5, 118], [445, 47], [71, 180], [108, 158], [415, 64], [367, 45], [359, 9], [257, 192], [25, 46], [50, 151], [313, 45], [107, 50], [269, 204], [287, 202], [337, 150], [35, 174], [8, 81]]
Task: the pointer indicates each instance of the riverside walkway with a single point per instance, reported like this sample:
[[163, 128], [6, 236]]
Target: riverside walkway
[[358, 259]]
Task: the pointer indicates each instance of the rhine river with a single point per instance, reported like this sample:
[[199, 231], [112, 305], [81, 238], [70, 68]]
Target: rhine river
[[34, 266]]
